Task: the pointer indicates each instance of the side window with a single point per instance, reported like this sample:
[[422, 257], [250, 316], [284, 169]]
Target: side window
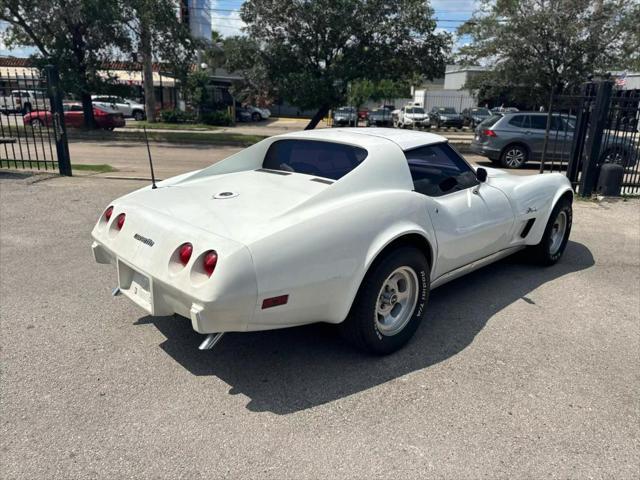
[[438, 170], [538, 122], [519, 121]]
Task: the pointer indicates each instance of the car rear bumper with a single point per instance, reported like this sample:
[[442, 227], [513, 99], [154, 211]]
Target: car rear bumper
[[485, 150], [159, 298]]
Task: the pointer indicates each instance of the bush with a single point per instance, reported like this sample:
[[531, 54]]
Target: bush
[[219, 118], [175, 116]]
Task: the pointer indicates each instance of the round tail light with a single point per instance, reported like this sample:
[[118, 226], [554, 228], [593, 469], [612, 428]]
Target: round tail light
[[120, 221], [209, 262], [107, 213], [186, 249]]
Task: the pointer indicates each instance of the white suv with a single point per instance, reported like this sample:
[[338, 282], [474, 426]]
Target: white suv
[[128, 108]]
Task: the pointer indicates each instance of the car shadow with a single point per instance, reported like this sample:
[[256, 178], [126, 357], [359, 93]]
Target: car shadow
[[285, 371]]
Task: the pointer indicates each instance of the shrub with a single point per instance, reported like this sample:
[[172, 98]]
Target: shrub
[[217, 118], [175, 116]]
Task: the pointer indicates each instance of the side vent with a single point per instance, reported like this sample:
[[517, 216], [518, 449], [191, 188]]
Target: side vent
[[322, 180], [527, 227]]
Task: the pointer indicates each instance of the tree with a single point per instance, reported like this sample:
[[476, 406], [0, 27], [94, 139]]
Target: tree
[[310, 51], [156, 32], [75, 35], [534, 47]]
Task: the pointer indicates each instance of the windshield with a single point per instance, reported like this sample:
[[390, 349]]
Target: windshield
[[481, 111], [447, 110], [345, 110], [415, 110], [311, 157]]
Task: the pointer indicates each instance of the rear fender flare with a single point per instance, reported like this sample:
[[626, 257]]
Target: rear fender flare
[[386, 239]]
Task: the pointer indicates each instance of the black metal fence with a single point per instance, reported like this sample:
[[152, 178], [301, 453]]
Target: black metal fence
[[597, 127], [32, 130]]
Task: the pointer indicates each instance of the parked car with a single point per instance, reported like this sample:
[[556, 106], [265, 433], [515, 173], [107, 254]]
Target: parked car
[[504, 110], [513, 139], [258, 114], [445, 117], [351, 227], [363, 113], [24, 101], [411, 116], [472, 117], [380, 117], [345, 116], [243, 115], [128, 108], [74, 117]]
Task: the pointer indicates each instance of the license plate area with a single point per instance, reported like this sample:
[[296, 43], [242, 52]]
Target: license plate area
[[135, 285]]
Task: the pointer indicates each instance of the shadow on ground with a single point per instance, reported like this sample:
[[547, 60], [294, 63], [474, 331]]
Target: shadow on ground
[[284, 371]]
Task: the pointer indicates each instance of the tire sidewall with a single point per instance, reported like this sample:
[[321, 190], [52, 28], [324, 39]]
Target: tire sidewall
[[562, 205], [525, 156], [375, 340]]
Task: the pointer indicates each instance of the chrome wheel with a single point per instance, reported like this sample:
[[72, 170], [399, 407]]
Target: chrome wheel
[[514, 158], [35, 123], [397, 300], [557, 232]]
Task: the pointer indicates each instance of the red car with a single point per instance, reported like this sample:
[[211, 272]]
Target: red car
[[74, 117]]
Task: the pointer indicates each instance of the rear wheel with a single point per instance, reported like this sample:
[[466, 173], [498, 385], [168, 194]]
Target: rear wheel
[[37, 123], [138, 115], [514, 156], [556, 234], [256, 117], [390, 303]]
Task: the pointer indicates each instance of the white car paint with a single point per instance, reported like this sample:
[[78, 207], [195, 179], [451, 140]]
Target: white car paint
[[311, 240], [128, 108]]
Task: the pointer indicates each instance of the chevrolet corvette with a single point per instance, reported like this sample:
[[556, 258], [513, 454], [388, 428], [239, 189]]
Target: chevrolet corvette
[[344, 226]]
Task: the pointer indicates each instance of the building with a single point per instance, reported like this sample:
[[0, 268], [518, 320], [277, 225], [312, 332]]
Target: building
[[197, 14], [448, 91]]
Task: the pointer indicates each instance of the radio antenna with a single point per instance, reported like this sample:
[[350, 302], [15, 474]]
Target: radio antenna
[[146, 139]]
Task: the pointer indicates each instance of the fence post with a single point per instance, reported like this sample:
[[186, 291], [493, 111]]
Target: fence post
[[57, 114], [599, 118], [580, 132]]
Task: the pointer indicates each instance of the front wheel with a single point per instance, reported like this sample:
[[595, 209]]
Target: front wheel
[[36, 123], [256, 117], [391, 302], [556, 234]]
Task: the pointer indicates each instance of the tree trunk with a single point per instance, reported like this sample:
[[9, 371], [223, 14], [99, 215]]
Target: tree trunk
[[87, 110], [147, 72], [322, 111]]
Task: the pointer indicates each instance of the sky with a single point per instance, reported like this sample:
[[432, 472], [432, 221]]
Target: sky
[[452, 13], [225, 19]]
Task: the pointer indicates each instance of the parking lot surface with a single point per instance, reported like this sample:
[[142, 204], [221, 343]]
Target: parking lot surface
[[518, 372]]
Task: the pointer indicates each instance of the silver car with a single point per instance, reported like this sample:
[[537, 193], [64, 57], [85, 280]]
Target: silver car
[[513, 139]]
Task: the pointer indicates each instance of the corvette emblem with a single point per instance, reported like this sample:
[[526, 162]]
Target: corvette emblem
[[145, 240]]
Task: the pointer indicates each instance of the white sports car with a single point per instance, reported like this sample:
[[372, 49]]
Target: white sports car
[[345, 226]]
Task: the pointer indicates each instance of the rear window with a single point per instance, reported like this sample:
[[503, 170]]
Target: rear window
[[311, 157], [491, 121]]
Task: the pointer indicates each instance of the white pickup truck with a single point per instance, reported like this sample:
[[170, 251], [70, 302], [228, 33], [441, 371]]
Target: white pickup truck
[[24, 101], [411, 116]]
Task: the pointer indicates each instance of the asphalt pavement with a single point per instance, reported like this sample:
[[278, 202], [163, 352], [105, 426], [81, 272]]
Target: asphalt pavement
[[518, 372]]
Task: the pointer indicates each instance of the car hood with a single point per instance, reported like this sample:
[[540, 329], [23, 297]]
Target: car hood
[[240, 206]]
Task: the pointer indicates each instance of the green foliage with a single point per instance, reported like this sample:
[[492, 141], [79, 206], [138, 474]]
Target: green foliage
[[176, 116], [218, 118], [536, 46], [195, 89], [307, 53]]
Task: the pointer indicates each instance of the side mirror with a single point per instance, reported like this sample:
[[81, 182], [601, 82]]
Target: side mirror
[[481, 174]]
